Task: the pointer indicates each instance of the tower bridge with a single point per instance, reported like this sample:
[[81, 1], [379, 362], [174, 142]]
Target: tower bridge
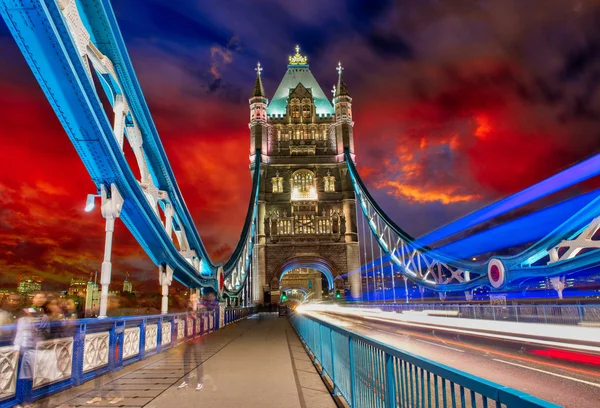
[[306, 202], [310, 220]]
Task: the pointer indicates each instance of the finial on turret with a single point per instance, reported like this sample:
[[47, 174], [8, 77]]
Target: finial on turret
[[298, 59], [333, 91], [342, 89], [258, 86]]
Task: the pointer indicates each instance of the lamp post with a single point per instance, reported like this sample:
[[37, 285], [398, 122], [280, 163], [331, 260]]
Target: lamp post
[[111, 209]]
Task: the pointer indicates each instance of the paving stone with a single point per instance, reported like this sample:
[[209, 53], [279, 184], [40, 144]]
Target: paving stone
[[250, 364]]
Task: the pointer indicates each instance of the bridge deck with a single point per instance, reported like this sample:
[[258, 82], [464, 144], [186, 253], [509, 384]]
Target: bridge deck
[[257, 362]]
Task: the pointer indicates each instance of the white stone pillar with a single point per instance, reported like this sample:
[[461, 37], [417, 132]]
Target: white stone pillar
[[111, 209], [165, 277]]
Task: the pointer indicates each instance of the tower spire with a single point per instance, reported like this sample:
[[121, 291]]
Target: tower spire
[[342, 89], [258, 86]]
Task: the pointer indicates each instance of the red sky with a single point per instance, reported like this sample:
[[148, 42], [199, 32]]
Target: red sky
[[454, 107]]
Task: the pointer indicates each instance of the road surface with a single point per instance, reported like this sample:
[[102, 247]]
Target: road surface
[[566, 378]]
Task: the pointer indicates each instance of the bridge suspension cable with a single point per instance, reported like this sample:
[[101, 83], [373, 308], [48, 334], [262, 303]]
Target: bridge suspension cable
[[570, 246]]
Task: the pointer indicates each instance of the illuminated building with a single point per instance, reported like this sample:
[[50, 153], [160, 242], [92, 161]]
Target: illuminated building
[[78, 287], [307, 207], [92, 297], [28, 285], [127, 285]]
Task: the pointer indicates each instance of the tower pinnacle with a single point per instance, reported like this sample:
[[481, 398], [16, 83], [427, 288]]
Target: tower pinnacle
[[258, 86], [298, 59], [342, 89]]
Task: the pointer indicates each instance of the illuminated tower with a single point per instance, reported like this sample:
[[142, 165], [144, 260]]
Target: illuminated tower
[[92, 297], [127, 285], [307, 208]]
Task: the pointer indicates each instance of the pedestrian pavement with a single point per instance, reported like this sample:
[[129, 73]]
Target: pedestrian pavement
[[256, 362]]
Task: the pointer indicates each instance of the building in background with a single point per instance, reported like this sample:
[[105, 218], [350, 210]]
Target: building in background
[[78, 287], [127, 285], [92, 297], [28, 285]]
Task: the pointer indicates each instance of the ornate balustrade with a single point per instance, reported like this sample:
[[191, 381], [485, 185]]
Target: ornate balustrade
[[328, 226], [84, 349], [233, 315]]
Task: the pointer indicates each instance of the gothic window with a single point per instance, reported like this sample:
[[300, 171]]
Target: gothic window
[[306, 111], [277, 184], [329, 183], [303, 185], [295, 111], [304, 224]]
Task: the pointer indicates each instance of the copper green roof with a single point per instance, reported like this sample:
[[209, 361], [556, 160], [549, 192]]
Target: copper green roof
[[294, 75]]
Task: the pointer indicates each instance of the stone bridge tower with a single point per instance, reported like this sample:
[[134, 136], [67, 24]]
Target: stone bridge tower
[[307, 207]]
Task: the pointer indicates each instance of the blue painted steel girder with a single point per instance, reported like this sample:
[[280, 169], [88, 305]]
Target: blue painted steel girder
[[41, 34], [105, 33]]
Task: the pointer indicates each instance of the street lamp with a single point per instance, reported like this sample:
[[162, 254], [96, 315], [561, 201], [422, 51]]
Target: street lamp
[[90, 203], [112, 203]]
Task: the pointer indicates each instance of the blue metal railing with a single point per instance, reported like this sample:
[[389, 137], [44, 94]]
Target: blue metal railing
[[233, 315], [367, 373], [84, 349], [545, 314]]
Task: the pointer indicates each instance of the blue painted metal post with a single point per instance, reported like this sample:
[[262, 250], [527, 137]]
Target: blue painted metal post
[[336, 390], [352, 379], [159, 335], [119, 337], [321, 361], [143, 339], [78, 346]]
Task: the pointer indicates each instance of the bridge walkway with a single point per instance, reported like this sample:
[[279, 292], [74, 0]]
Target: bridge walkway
[[256, 362]]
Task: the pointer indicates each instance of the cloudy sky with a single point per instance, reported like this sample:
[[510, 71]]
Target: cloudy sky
[[456, 104]]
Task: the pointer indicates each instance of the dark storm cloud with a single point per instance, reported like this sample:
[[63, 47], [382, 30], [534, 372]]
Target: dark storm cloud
[[456, 103]]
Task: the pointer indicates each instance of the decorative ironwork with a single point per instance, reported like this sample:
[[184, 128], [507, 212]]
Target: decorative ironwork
[[166, 333], [190, 327], [198, 325], [53, 361], [131, 342], [303, 147], [95, 351], [151, 337], [180, 329], [580, 243], [297, 58], [9, 361]]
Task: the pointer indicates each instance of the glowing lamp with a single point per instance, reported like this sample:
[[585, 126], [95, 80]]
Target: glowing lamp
[[90, 203]]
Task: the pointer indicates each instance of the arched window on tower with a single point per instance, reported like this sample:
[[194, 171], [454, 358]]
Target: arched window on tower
[[295, 111], [306, 111], [277, 183], [329, 183], [303, 185]]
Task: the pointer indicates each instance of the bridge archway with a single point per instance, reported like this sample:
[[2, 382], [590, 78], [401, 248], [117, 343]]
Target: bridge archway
[[320, 264]]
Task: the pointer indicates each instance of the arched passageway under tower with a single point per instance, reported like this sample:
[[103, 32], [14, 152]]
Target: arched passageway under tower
[[311, 282]]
